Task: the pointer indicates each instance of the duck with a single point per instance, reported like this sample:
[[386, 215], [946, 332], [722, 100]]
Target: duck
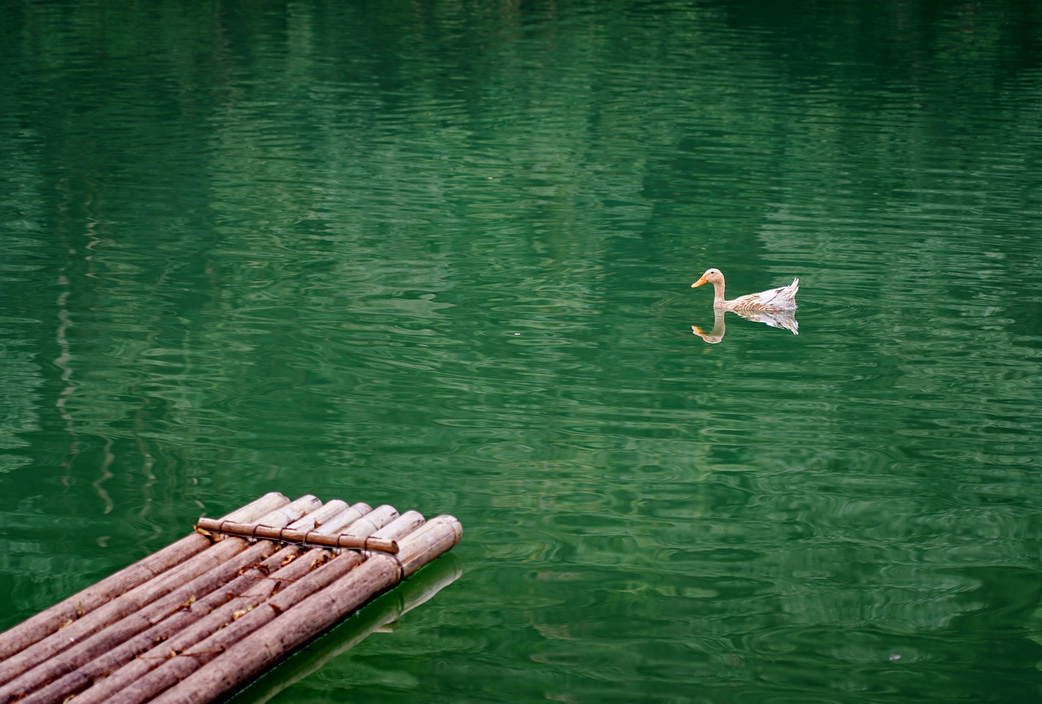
[[774, 300]]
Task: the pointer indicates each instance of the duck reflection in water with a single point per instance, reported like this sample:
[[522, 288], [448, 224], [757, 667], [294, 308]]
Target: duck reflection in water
[[782, 319]]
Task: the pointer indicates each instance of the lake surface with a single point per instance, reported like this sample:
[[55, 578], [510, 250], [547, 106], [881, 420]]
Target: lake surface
[[439, 255]]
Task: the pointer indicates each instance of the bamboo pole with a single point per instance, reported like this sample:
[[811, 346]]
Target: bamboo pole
[[372, 522], [151, 610], [314, 615], [347, 518], [319, 517], [50, 620], [161, 632], [290, 512], [376, 617], [86, 637], [159, 668], [147, 677], [398, 528], [129, 682], [425, 544], [137, 597]]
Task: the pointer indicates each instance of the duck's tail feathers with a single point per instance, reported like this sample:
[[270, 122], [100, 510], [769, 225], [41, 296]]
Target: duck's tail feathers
[[789, 293]]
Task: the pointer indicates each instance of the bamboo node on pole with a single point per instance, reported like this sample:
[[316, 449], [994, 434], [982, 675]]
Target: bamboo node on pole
[[283, 580], [172, 653]]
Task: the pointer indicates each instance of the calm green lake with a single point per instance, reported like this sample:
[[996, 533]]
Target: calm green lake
[[440, 255]]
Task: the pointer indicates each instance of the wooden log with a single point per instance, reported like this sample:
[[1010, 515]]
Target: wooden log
[[376, 617], [320, 611], [428, 542], [136, 687], [161, 632], [262, 506], [284, 515], [343, 520], [287, 535], [85, 638], [153, 672], [319, 517], [26, 665], [50, 620], [119, 632], [125, 683], [128, 602], [372, 522], [337, 523], [399, 528]]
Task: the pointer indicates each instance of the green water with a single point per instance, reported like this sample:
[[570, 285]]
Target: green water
[[439, 255]]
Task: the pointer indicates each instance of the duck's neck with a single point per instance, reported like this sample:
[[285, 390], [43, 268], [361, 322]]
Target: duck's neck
[[718, 294]]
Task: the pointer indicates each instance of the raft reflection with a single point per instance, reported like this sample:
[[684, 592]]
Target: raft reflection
[[378, 616]]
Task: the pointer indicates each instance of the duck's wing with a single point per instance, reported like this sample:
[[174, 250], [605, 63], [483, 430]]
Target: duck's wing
[[782, 298]]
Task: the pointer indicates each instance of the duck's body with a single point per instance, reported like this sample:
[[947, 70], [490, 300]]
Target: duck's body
[[775, 300]]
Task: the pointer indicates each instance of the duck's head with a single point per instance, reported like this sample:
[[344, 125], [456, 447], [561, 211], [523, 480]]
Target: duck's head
[[712, 276]]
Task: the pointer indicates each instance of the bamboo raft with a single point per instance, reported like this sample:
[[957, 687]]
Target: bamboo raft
[[200, 618]]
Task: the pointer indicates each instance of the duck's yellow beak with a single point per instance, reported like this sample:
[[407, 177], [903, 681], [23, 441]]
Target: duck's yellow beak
[[699, 282]]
